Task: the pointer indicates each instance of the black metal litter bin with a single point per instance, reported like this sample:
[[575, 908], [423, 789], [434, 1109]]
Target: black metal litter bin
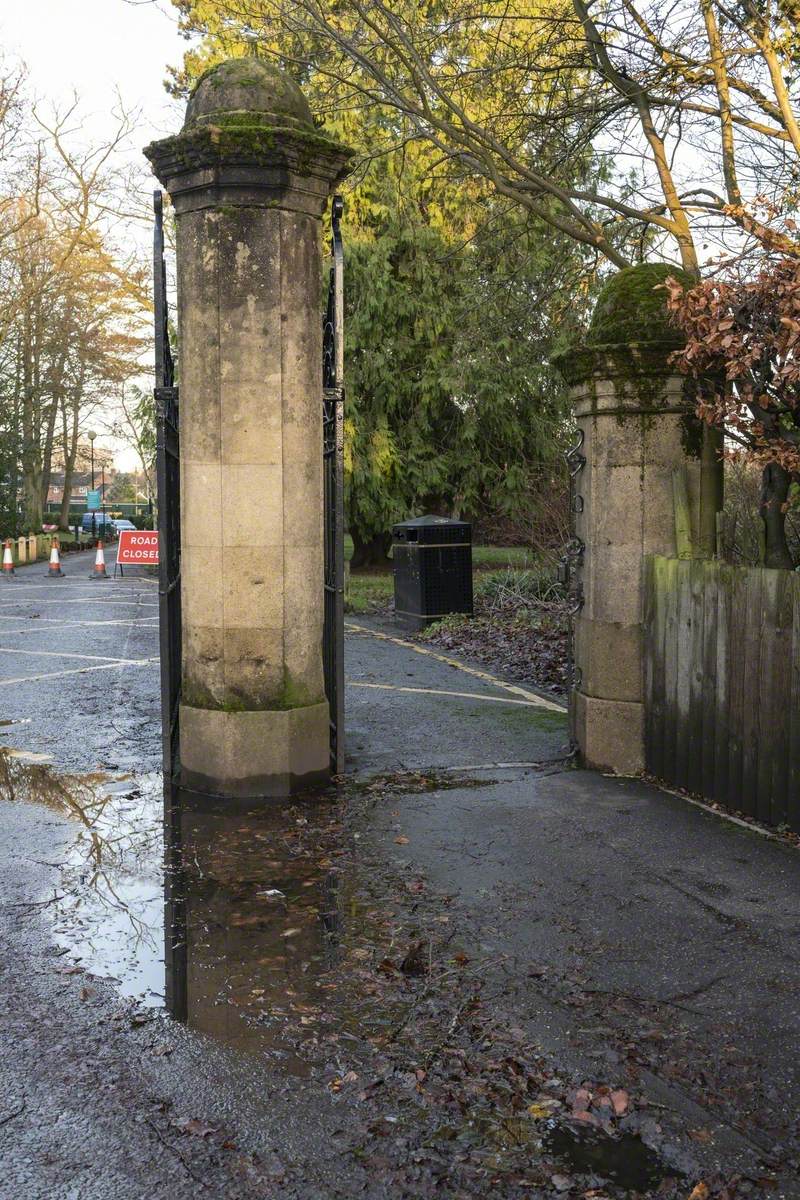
[[432, 570]]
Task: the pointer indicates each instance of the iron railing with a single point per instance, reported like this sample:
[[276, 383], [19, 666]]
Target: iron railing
[[333, 490]]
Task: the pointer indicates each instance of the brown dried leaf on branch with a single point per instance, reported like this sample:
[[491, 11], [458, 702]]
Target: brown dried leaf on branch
[[743, 353], [742, 342]]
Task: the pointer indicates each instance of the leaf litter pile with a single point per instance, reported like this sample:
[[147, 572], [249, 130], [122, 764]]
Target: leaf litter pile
[[527, 639]]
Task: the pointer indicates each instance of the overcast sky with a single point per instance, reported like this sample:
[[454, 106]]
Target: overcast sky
[[96, 48], [93, 47]]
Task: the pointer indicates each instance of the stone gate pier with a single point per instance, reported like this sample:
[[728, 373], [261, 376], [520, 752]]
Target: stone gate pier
[[249, 177], [646, 462]]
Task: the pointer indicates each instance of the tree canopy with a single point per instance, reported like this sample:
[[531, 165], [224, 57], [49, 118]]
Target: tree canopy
[[691, 106], [454, 298], [70, 301]]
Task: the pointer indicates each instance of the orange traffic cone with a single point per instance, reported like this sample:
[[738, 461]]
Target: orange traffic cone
[[54, 570], [99, 571], [8, 561]]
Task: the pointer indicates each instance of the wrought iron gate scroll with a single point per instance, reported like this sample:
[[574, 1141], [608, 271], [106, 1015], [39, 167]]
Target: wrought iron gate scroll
[[169, 602], [333, 488]]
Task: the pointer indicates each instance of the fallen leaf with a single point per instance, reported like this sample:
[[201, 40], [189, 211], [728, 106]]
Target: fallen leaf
[[699, 1192], [416, 960], [194, 1126], [538, 1111], [401, 841]]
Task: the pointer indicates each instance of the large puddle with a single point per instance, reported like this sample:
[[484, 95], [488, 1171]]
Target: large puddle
[[260, 933], [255, 927], [236, 936]]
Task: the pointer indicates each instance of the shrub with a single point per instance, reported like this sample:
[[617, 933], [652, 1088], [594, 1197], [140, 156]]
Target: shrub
[[534, 586]]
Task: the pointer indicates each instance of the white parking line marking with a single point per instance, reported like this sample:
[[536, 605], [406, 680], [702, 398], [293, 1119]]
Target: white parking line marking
[[146, 622], [57, 589], [133, 662], [83, 600], [391, 687], [64, 654]]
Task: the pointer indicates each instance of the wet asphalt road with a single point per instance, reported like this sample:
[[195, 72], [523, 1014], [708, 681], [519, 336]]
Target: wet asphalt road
[[635, 938], [79, 666]]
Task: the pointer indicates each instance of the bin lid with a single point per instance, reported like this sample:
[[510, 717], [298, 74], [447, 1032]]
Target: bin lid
[[431, 522]]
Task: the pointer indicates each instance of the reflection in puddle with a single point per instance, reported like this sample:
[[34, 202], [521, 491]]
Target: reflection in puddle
[[252, 904], [255, 924], [276, 943], [107, 907]]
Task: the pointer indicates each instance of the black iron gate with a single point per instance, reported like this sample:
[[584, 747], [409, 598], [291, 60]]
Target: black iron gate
[[570, 574], [169, 598], [333, 468]]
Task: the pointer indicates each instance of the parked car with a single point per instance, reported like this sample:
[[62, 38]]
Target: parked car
[[103, 524], [121, 523]]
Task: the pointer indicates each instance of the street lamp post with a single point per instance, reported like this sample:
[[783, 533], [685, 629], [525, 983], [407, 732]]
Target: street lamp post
[[91, 436]]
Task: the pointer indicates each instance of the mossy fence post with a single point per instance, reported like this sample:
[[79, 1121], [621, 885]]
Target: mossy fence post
[[249, 177], [645, 486]]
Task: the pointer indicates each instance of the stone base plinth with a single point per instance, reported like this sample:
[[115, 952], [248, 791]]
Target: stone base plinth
[[254, 753], [610, 734]]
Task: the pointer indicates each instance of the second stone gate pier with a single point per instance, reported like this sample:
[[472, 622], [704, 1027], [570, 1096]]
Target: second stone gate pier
[[249, 177]]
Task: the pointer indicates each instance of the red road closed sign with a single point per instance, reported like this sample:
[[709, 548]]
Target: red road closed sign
[[137, 548]]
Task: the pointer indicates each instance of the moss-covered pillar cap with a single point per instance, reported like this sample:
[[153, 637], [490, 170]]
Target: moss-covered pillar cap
[[631, 334], [248, 140]]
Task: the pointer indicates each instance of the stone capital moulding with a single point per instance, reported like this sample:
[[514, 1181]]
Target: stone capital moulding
[[249, 165]]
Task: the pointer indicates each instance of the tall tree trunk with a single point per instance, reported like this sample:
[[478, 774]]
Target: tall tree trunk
[[70, 441], [31, 447], [775, 482], [712, 488], [31, 450], [15, 454], [47, 454], [64, 335], [371, 551]]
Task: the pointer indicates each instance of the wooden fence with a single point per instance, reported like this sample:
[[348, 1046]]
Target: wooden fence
[[722, 684]]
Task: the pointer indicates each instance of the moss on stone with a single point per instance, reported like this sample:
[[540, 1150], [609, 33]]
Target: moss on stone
[[289, 696], [248, 142], [248, 85], [632, 307]]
